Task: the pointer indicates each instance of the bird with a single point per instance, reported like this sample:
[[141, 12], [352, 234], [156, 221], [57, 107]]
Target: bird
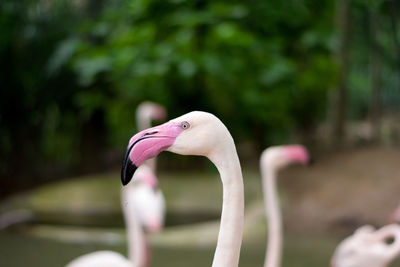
[[271, 161], [143, 207], [368, 247], [203, 134]]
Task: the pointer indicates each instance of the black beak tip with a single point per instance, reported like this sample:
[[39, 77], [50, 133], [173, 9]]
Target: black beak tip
[[127, 172]]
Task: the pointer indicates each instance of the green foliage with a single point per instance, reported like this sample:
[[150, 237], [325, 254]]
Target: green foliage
[[259, 66], [34, 107], [388, 49], [75, 71]]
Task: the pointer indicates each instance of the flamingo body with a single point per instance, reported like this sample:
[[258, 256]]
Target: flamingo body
[[101, 259], [144, 207], [368, 247], [144, 201]]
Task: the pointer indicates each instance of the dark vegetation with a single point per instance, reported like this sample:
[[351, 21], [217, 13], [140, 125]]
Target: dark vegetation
[[73, 72]]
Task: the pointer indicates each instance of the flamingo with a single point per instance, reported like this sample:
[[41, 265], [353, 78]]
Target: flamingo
[[365, 249], [368, 247], [143, 206], [272, 160], [203, 134]]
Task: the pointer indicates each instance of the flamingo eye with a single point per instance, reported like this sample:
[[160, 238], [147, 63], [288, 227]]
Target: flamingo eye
[[185, 125]]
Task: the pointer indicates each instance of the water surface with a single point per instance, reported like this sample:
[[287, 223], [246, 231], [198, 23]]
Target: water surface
[[18, 250]]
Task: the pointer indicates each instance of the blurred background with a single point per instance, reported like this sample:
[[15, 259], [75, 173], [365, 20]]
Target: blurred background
[[322, 73]]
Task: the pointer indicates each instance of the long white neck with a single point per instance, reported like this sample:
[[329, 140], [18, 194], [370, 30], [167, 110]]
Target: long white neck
[[230, 234], [137, 244], [143, 119], [274, 247]]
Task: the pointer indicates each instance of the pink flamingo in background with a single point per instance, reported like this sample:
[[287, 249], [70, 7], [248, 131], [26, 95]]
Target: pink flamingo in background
[[203, 134], [368, 247], [272, 160], [143, 206]]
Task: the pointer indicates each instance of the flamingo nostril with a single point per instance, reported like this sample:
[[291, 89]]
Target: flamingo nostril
[[150, 133]]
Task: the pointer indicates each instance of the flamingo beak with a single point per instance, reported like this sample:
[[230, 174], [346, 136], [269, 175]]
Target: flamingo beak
[[299, 154], [147, 144]]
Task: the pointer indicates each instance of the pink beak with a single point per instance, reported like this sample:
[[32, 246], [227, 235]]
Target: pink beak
[[147, 144], [298, 153]]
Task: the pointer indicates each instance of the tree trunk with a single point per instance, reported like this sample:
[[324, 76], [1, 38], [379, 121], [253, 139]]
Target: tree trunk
[[394, 11], [375, 74], [339, 96]]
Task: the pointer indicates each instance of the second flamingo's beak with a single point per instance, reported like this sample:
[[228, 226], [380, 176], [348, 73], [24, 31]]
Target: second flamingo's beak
[[147, 144], [298, 153]]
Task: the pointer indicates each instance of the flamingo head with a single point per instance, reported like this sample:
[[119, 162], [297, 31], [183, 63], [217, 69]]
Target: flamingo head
[[368, 247], [150, 110], [195, 133], [278, 157]]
